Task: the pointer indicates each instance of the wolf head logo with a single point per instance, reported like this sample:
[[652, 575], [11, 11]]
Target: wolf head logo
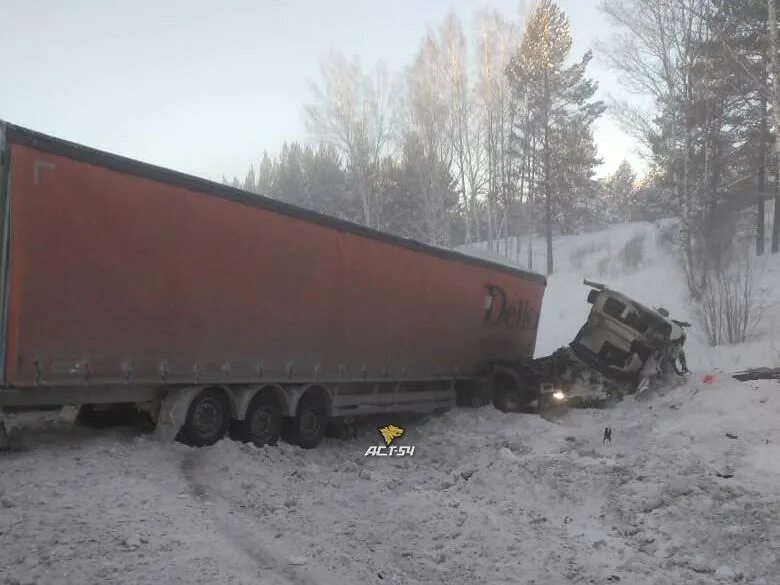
[[390, 433]]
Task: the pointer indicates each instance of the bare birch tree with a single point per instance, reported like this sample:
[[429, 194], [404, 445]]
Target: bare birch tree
[[775, 93], [353, 111], [496, 43], [463, 132], [428, 122], [656, 52]]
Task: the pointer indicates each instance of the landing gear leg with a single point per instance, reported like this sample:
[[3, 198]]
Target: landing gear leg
[[5, 443]]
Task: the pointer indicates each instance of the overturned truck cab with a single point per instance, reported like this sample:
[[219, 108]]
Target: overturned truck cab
[[625, 341], [623, 347]]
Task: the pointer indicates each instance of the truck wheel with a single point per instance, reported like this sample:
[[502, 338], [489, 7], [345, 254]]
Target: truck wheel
[[308, 426], [508, 397], [474, 395], [505, 397], [263, 421], [463, 396], [208, 418], [641, 350]]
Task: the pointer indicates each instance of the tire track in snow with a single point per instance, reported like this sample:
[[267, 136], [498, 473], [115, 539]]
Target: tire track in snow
[[271, 560]]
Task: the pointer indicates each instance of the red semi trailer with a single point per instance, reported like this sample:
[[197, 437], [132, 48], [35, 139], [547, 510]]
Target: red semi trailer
[[122, 282]]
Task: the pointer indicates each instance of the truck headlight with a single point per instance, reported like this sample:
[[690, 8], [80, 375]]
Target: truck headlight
[[558, 395]]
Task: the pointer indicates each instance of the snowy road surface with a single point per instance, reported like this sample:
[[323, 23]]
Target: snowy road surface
[[487, 498]]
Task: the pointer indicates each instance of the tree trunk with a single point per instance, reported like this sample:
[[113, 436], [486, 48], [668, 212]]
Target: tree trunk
[[761, 198], [714, 242], [547, 191], [688, 236], [776, 214], [776, 115], [464, 198], [547, 204], [532, 202]]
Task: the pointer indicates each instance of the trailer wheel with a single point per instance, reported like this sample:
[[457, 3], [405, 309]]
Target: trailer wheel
[[263, 421], [208, 418], [310, 423]]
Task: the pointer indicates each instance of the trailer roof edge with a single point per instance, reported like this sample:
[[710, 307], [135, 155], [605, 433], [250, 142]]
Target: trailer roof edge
[[25, 137]]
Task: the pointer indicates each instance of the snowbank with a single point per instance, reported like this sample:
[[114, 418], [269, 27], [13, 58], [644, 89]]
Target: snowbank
[[638, 259], [487, 498]]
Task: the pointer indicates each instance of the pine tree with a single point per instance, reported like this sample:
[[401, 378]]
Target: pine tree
[[705, 66], [267, 177], [291, 186], [327, 184], [250, 184], [559, 110], [618, 194]]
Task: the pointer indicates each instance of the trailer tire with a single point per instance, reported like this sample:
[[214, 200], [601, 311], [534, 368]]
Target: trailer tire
[[263, 421], [307, 428], [208, 419]]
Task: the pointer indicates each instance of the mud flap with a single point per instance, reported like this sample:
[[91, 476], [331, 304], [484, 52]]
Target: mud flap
[[173, 413]]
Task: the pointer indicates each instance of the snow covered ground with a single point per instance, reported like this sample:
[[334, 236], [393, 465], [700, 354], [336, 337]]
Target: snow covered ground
[[688, 492], [487, 498]]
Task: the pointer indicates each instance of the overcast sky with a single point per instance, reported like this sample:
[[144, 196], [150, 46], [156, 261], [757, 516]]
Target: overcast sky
[[205, 86]]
